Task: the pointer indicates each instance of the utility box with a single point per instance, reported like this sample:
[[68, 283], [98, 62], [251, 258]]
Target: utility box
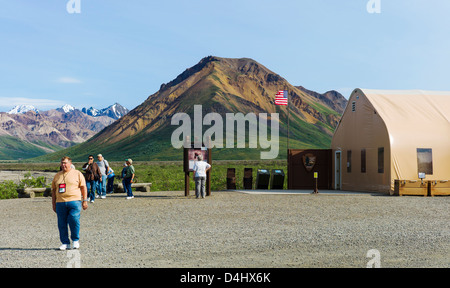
[[231, 179], [277, 180], [262, 179], [248, 178]]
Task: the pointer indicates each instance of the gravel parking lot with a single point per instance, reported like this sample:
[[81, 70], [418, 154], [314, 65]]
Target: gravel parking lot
[[231, 229]]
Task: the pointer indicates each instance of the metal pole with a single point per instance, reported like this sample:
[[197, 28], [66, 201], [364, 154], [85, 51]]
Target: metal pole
[[288, 109]]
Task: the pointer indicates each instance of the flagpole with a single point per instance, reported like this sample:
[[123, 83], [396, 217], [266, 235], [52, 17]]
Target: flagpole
[[282, 98], [288, 109]]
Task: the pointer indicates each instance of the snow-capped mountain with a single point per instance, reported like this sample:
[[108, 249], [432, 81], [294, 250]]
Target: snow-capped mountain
[[45, 130], [114, 111], [22, 109], [91, 111], [67, 108]]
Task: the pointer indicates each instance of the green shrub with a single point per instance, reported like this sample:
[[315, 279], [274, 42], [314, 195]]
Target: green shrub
[[8, 190], [170, 177], [30, 182]]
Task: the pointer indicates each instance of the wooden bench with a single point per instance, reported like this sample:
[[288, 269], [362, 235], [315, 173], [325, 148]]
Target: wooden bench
[[47, 192], [142, 187], [34, 192]]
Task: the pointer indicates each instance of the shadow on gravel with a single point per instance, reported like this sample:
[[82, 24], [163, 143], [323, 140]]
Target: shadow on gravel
[[27, 249]]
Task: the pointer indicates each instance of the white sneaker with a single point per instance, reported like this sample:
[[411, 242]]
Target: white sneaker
[[76, 244], [64, 247], [103, 197], [130, 197]]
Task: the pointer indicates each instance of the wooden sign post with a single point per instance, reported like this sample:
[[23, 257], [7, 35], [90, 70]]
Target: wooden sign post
[[189, 158], [316, 177]]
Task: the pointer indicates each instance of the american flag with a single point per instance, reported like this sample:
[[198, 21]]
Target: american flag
[[281, 98]]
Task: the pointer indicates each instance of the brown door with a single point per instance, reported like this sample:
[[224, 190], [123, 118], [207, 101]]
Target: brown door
[[303, 163]]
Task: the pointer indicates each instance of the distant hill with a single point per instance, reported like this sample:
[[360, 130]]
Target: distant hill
[[26, 132], [220, 85]]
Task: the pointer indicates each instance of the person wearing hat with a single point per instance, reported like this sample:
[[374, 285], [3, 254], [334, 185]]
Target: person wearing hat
[[129, 178], [104, 167]]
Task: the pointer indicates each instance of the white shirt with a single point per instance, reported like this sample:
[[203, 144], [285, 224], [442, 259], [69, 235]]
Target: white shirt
[[200, 168]]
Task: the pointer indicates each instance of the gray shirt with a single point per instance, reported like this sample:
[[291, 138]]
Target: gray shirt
[[102, 165]]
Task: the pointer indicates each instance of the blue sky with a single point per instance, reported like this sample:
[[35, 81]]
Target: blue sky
[[122, 51]]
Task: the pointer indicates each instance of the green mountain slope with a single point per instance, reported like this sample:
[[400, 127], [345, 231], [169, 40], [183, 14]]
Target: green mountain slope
[[219, 85], [12, 148]]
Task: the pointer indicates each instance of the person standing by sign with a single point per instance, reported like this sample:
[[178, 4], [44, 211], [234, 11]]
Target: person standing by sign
[[69, 195], [200, 168]]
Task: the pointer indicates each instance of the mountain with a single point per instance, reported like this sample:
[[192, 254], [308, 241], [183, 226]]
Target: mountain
[[26, 133], [114, 111], [333, 99], [21, 109], [220, 85], [66, 108]]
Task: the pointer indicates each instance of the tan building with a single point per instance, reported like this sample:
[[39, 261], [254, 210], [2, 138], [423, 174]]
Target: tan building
[[387, 135]]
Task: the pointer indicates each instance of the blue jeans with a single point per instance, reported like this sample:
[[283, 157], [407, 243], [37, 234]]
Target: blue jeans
[[91, 187], [68, 214], [127, 186], [101, 188], [110, 185]]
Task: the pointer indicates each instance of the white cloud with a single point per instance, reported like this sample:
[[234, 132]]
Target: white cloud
[[69, 80], [7, 103]]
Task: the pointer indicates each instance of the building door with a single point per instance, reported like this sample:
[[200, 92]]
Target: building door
[[337, 170], [303, 164]]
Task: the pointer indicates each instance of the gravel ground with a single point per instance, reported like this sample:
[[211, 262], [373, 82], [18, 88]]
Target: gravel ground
[[230, 229]]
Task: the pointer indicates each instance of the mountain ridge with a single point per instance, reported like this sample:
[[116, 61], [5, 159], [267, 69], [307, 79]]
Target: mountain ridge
[[115, 110], [173, 93], [29, 132], [220, 85]]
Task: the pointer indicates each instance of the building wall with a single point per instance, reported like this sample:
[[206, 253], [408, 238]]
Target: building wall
[[364, 143]]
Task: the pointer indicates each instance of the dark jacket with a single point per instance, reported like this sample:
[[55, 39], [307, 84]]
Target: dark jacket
[[91, 172]]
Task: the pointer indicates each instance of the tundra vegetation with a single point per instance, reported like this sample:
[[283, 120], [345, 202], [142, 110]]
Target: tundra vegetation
[[164, 175]]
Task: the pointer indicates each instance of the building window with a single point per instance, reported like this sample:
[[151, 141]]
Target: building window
[[381, 160], [425, 160], [349, 161], [363, 160], [353, 106]]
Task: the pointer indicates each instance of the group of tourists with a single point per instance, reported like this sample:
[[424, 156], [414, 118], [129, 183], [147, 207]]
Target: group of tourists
[[100, 178], [71, 191]]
